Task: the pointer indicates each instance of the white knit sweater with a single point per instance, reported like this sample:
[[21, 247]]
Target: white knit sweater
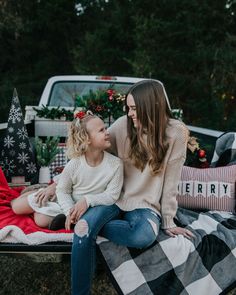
[[100, 185]]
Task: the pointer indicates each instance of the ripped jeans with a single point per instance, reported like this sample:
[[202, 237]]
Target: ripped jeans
[[138, 228]]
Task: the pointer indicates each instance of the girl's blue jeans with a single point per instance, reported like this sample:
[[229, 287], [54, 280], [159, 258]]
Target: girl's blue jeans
[[138, 228]]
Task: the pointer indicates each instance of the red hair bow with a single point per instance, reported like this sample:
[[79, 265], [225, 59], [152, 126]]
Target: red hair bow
[[80, 115]]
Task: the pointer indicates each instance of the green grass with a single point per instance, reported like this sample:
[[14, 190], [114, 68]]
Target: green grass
[[20, 275]]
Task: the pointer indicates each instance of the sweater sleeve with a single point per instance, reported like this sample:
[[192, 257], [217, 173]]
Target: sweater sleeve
[[64, 189], [112, 191], [172, 178]]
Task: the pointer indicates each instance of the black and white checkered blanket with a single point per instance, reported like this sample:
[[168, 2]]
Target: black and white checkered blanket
[[172, 266], [225, 150]]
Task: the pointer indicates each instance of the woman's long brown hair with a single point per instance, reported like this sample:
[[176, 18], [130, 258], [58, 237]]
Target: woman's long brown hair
[[148, 144]]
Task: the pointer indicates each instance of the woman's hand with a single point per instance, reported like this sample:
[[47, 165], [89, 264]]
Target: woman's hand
[[175, 231], [78, 210], [45, 195]]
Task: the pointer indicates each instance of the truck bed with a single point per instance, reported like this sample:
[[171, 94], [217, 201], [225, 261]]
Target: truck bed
[[47, 248]]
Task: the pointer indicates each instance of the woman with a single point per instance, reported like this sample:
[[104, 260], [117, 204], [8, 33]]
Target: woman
[[152, 146]]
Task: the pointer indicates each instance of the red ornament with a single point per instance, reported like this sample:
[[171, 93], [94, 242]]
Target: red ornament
[[201, 154], [110, 92], [99, 108], [80, 115]]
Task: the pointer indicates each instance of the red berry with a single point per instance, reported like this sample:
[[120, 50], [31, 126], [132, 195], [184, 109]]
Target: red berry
[[201, 154]]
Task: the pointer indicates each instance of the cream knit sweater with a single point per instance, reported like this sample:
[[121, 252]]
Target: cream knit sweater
[[100, 185], [141, 189]]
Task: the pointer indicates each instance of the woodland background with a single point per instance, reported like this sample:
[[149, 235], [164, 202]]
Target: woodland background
[[190, 45]]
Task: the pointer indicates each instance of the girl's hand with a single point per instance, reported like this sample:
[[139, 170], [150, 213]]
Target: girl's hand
[[43, 196], [172, 232], [78, 210], [68, 222]]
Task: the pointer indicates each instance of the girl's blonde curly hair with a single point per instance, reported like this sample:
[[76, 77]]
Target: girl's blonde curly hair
[[78, 137]]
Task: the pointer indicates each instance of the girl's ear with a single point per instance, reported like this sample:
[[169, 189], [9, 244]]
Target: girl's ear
[[88, 141]]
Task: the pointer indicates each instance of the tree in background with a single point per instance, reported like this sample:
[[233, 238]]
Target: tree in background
[[35, 37], [188, 45], [178, 42], [106, 41]]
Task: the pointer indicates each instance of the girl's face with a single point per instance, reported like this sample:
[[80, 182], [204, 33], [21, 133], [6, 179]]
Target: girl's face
[[132, 109], [98, 135]]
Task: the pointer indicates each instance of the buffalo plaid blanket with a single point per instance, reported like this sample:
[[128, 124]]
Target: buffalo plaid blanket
[[225, 150], [172, 266]]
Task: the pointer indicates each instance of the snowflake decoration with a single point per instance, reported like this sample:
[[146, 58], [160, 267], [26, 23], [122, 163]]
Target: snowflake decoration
[[8, 166], [15, 114], [22, 133], [11, 129], [31, 168], [21, 171], [22, 145], [15, 99], [23, 157], [9, 141]]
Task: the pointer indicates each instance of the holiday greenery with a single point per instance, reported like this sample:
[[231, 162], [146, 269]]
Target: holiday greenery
[[54, 113], [196, 156], [46, 151], [106, 104]]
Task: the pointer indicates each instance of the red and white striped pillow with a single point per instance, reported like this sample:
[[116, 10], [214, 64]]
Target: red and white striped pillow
[[210, 188]]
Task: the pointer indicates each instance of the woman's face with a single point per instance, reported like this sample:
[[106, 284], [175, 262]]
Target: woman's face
[[132, 109]]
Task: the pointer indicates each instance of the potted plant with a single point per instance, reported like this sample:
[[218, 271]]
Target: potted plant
[[45, 154]]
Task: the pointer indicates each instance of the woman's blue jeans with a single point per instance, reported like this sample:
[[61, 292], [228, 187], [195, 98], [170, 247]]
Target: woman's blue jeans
[[138, 228]]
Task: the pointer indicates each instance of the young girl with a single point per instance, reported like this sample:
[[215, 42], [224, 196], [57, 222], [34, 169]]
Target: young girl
[[91, 178]]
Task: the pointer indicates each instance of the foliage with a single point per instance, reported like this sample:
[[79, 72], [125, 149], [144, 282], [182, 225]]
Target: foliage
[[175, 44], [46, 151], [106, 42], [168, 40], [106, 104], [196, 156], [54, 113]]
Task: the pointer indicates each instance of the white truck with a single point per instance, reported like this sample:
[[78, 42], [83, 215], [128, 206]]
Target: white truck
[[62, 91]]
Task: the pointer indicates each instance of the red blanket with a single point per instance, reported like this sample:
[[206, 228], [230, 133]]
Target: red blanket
[[9, 218]]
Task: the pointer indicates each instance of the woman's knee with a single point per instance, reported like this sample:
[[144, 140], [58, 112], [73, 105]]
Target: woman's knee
[[147, 235], [143, 241]]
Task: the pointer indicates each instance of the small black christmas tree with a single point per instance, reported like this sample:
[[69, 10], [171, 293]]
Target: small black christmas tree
[[16, 154]]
